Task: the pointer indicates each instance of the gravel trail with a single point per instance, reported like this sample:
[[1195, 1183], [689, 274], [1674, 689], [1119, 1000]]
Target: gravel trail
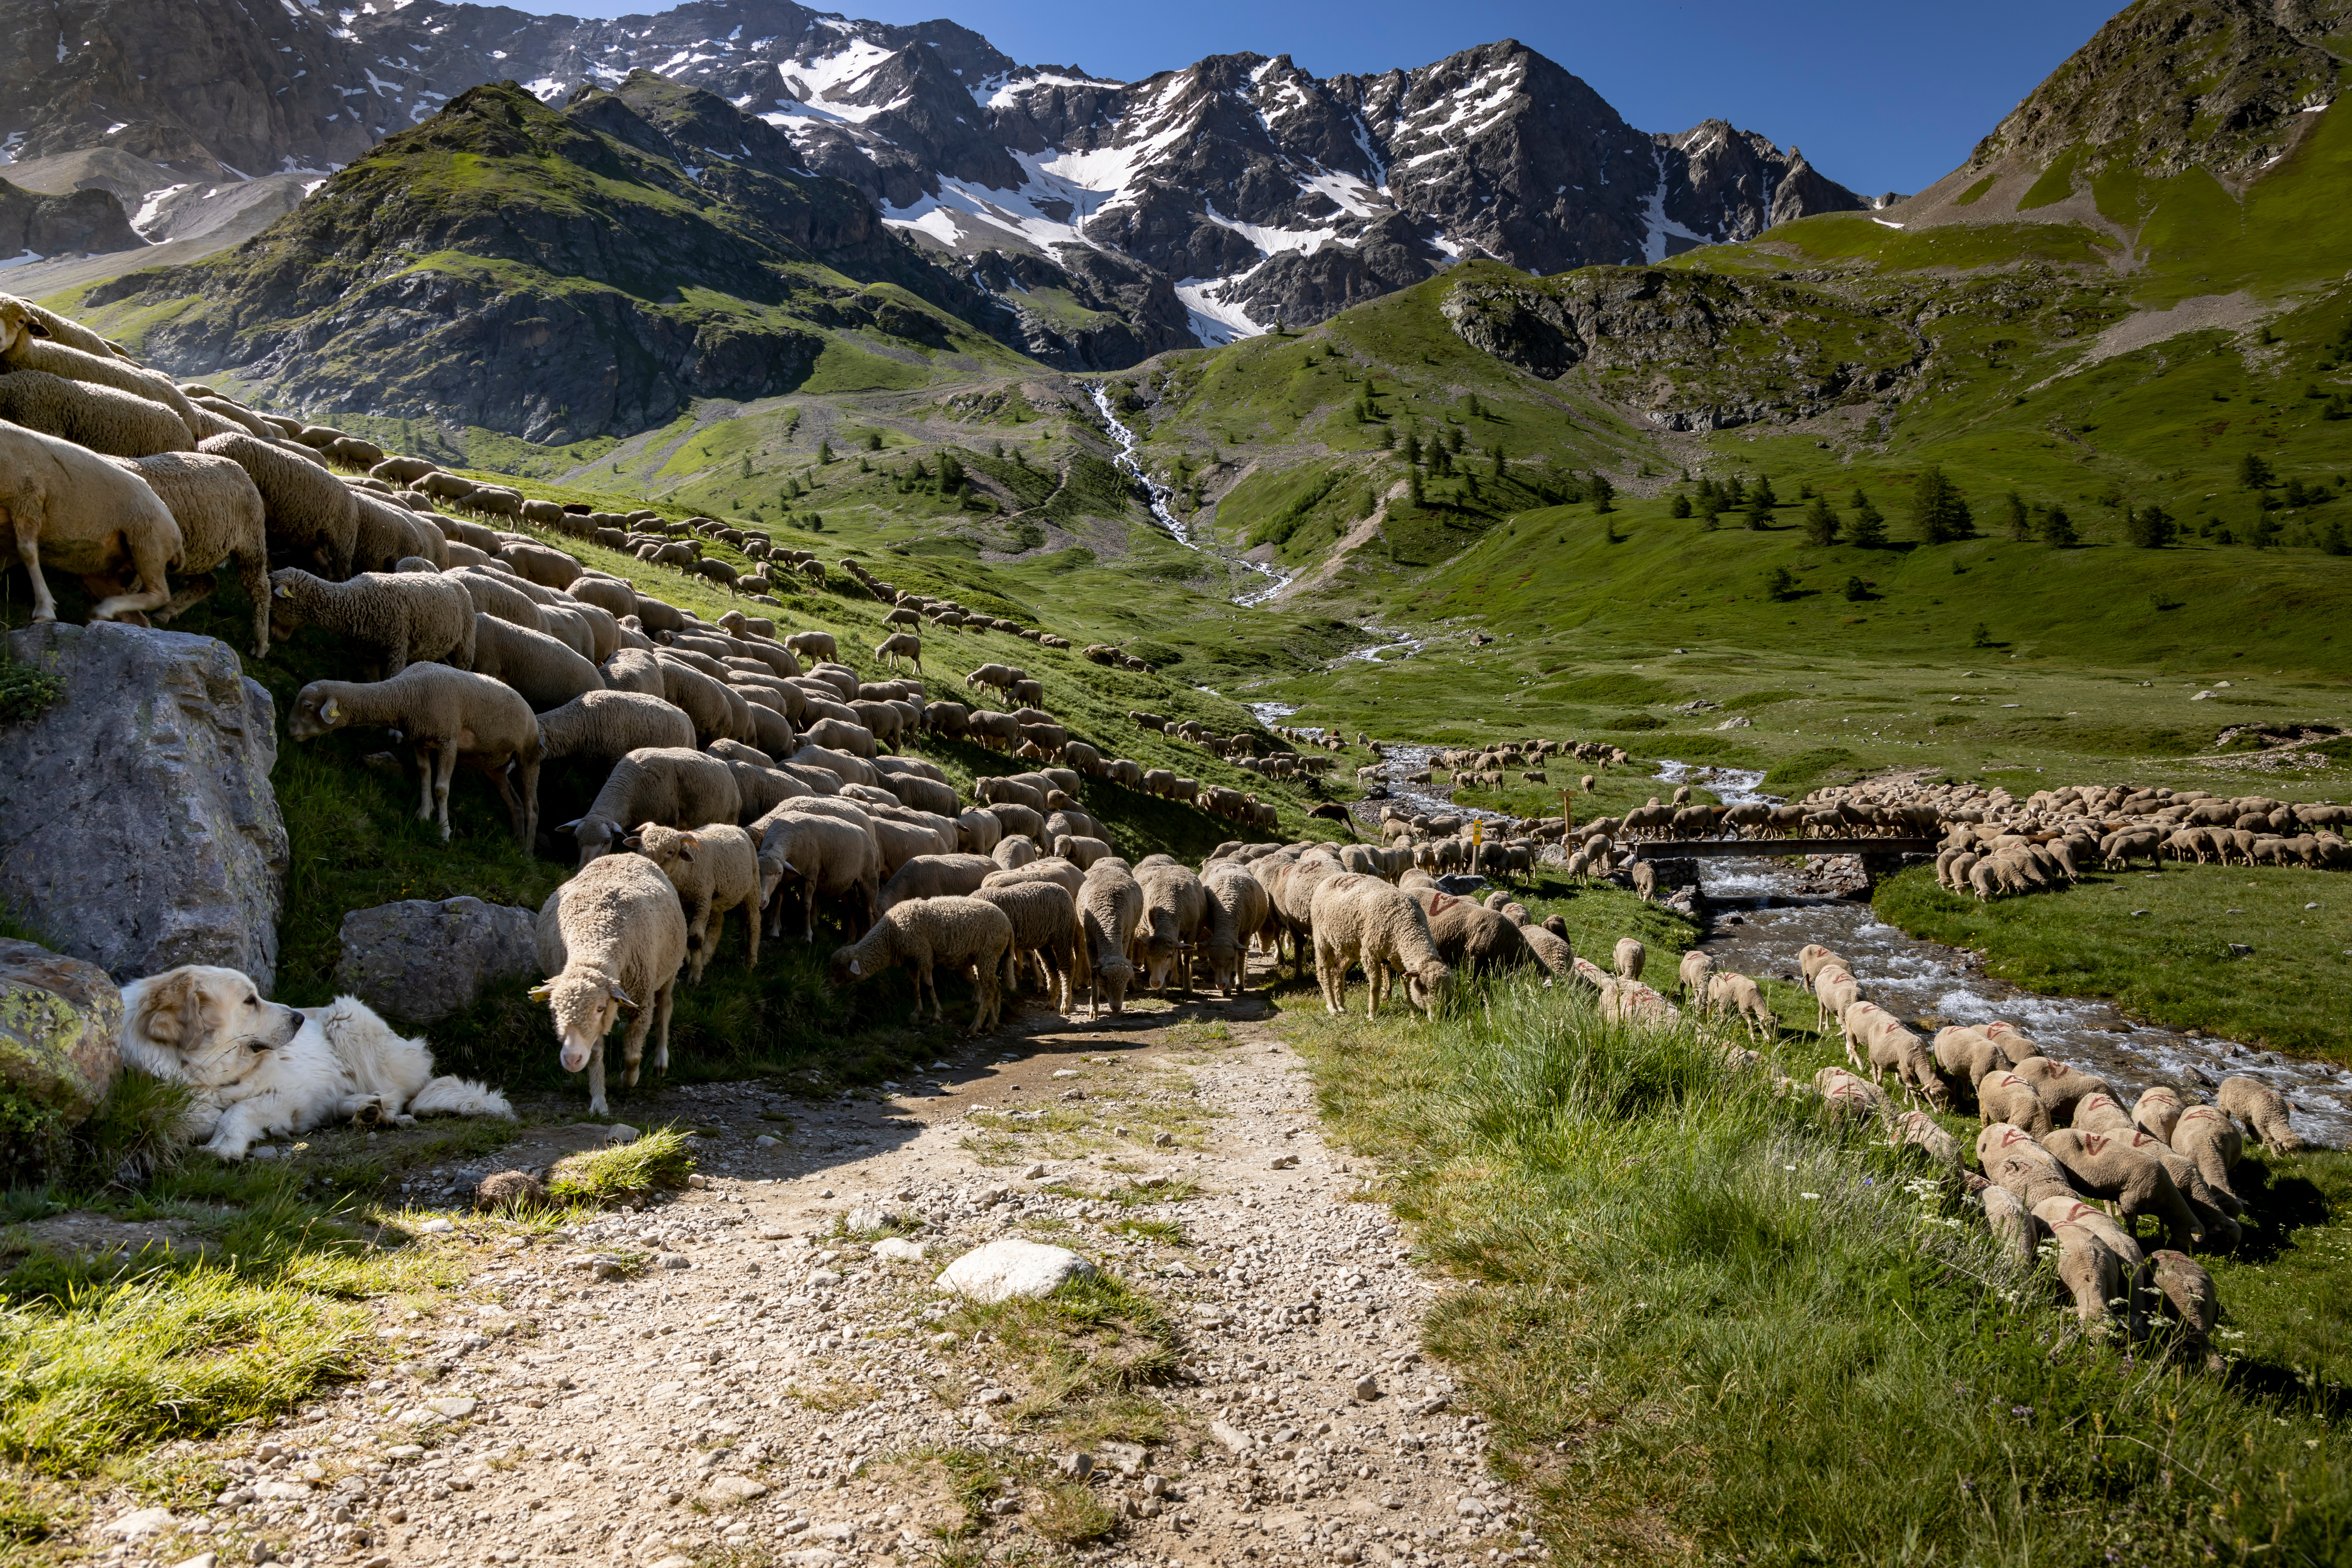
[[738, 1376]]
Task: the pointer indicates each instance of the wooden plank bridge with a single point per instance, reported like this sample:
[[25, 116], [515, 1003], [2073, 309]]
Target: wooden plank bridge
[[1725, 849]]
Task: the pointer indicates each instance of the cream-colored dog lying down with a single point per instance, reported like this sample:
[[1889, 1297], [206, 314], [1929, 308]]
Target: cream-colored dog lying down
[[262, 1070]]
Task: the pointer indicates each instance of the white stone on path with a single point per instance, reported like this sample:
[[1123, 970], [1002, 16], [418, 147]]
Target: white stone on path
[[898, 1250], [144, 1521], [734, 1489], [1005, 1270]]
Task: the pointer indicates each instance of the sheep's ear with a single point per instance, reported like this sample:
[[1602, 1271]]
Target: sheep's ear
[[32, 325], [281, 591], [856, 967], [572, 825], [329, 713], [620, 995], [542, 991]]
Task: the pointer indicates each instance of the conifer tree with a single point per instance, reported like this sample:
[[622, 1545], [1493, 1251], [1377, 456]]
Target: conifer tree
[[1821, 522]]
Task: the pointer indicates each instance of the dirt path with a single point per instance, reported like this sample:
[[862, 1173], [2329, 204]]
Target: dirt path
[[771, 1388], [1356, 539]]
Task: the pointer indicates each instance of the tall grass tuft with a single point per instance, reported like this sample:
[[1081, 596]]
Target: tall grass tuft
[[1719, 1326]]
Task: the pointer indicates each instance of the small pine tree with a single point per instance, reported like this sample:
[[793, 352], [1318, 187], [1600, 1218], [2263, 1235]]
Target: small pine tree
[[996, 450], [862, 466], [1938, 513], [873, 440], [1763, 492], [1411, 450], [1868, 528], [1412, 486], [1682, 506], [1604, 493], [2333, 541], [823, 452], [951, 474], [746, 469], [2020, 525], [1386, 440], [2151, 527], [1821, 522], [2254, 473], [1500, 462], [1454, 439], [1981, 636], [2058, 529], [1477, 410], [1856, 590], [1734, 494], [1782, 583], [1759, 508]]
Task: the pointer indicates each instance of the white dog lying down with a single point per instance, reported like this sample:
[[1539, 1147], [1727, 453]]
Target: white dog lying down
[[262, 1070]]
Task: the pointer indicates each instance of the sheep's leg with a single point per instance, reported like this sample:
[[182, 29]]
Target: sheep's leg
[[527, 780], [752, 935], [441, 775], [808, 911], [596, 1102], [153, 561], [662, 1000], [28, 550], [513, 803], [423, 751], [252, 570]]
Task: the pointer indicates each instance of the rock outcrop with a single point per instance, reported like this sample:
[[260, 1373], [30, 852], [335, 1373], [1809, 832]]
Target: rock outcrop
[[1694, 350], [83, 221], [60, 1021], [419, 962], [142, 830]]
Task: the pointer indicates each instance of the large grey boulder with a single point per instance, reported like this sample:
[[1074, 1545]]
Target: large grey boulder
[[421, 962], [60, 1022], [140, 827]]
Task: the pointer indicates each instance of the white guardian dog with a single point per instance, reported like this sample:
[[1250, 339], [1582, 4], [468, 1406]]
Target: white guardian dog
[[262, 1070]]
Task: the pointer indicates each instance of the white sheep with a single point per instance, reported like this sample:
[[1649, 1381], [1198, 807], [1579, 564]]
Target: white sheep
[[546, 672], [404, 617], [668, 784], [1111, 907], [715, 868], [1175, 909], [220, 516], [102, 418], [612, 937], [609, 725], [830, 855], [924, 934], [1360, 919], [86, 517], [446, 715], [1628, 957], [306, 507], [25, 344], [1045, 931]]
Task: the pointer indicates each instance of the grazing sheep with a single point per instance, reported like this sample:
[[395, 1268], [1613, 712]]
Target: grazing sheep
[[1045, 931], [1842, 1093], [2156, 1113], [2013, 1159], [446, 715], [1237, 907], [829, 854], [671, 785], [1110, 911], [609, 725], [2062, 1086], [65, 330], [1919, 1127], [2110, 1168], [2102, 1113], [1175, 909], [2005, 1098], [88, 516], [546, 672], [2089, 1269], [102, 418], [2260, 1109], [900, 646], [1360, 919], [2012, 1041], [1812, 958], [715, 868], [25, 344], [1628, 957], [635, 669], [2184, 1301], [935, 875], [612, 937], [814, 646], [2208, 1137], [1733, 992], [1834, 991], [1693, 972], [1965, 1054], [961, 934], [382, 534], [1014, 851], [221, 518], [2012, 1223], [403, 617]]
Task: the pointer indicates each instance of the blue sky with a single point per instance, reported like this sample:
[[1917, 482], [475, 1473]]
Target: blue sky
[[1884, 96]]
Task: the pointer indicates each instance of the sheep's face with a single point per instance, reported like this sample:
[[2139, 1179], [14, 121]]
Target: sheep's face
[[1224, 967], [315, 713], [1159, 964], [595, 837], [1427, 986], [773, 872], [585, 1009]]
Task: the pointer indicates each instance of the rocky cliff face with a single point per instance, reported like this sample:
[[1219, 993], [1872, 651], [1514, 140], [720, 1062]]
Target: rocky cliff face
[[1248, 189], [2172, 84], [554, 273], [46, 225], [1692, 351]]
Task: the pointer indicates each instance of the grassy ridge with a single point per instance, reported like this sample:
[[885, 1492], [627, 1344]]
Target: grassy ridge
[[1714, 1327]]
